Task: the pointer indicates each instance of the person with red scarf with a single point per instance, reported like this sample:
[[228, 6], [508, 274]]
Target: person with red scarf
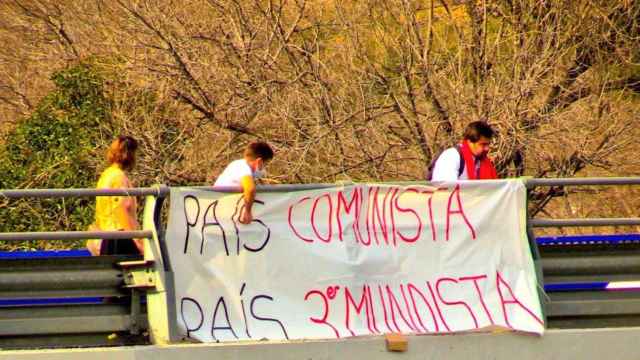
[[469, 159]]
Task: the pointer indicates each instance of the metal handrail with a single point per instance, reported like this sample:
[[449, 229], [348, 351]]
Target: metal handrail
[[159, 191], [531, 183], [597, 181], [540, 223], [269, 188], [75, 235], [163, 190]]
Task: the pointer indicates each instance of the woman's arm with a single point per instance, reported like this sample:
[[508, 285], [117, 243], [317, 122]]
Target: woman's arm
[[126, 214]]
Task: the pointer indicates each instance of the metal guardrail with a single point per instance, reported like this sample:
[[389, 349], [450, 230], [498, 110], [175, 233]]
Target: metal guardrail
[[75, 235], [162, 191], [595, 181], [44, 300], [562, 182], [73, 301], [271, 188], [579, 305], [545, 223], [578, 277], [55, 278], [159, 191], [591, 285], [614, 239]]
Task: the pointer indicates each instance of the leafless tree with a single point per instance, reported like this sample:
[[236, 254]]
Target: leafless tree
[[359, 90]]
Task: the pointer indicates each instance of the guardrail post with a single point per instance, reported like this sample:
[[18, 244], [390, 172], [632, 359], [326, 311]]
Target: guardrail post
[[535, 251], [161, 307], [135, 312]]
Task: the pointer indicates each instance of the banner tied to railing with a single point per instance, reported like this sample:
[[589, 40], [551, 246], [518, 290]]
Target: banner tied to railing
[[353, 260]]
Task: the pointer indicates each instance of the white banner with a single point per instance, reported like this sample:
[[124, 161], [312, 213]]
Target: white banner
[[353, 260]]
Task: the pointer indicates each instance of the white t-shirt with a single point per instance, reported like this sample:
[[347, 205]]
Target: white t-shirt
[[233, 173], [447, 166]]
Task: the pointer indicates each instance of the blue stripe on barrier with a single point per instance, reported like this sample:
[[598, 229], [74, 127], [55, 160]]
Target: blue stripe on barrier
[[589, 239], [58, 301], [576, 286], [64, 301], [43, 254], [615, 239]]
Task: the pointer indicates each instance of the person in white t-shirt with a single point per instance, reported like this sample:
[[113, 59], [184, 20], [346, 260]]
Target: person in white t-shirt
[[243, 173]]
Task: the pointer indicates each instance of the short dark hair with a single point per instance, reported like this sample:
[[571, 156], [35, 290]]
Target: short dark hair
[[476, 129], [122, 151], [259, 149]]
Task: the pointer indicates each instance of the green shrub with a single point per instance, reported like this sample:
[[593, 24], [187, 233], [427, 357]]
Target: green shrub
[[55, 148]]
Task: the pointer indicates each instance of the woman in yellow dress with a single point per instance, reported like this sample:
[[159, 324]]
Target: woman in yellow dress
[[115, 213]]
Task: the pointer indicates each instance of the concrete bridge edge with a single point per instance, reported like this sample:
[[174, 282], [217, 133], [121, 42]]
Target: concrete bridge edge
[[612, 343]]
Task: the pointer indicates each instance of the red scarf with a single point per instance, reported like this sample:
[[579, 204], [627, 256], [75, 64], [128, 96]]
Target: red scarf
[[487, 170]]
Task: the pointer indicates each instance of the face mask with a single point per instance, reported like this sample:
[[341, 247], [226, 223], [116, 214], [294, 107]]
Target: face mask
[[260, 173]]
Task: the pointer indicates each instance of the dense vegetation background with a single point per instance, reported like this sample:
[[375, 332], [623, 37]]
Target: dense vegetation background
[[364, 90]]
